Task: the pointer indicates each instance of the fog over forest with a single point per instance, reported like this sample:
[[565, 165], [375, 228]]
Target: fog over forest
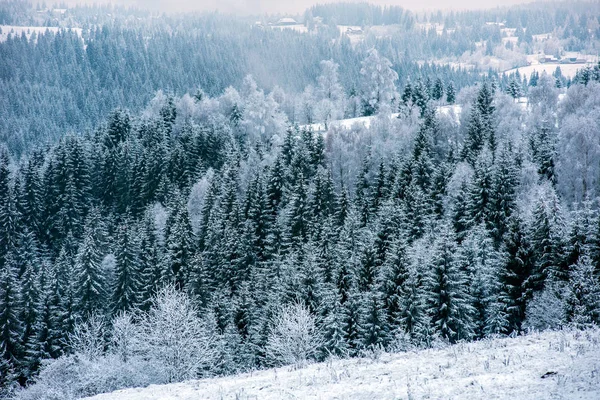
[[295, 6], [194, 196]]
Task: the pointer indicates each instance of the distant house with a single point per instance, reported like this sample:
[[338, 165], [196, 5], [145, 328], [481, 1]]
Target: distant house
[[574, 60], [354, 31], [286, 22], [547, 59], [60, 11]]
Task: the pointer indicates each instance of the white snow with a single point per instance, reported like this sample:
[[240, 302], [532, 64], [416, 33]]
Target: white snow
[[16, 31], [550, 365], [567, 70], [366, 121]]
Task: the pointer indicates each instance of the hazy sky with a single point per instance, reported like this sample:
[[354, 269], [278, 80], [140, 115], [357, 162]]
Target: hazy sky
[[298, 6]]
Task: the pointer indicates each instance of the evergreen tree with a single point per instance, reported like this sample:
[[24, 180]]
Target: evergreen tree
[[179, 243], [90, 278], [11, 326], [334, 333], [126, 294], [438, 89], [448, 300], [450, 93], [8, 211], [516, 272], [584, 294], [374, 329]]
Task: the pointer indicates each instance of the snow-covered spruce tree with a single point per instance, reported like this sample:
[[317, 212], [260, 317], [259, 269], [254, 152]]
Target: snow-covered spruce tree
[[374, 328], [334, 336], [547, 241], [438, 89], [448, 302], [518, 266], [450, 93], [503, 193], [294, 338], [11, 326], [90, 288], [8, 210], [481, 262], [179, 243], [126, 294]]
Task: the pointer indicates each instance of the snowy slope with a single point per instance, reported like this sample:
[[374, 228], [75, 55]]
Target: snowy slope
[[366, 121], [551, 365]]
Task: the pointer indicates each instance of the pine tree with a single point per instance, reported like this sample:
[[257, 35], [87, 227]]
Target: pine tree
[[363, 192], [367, 265], [90, 278], [546, 240], [450, 93], [126, 293], [299, 214], [475, 139], [179, 243], [374, 328], [28, 269], [11, 327], [481, 192], [514, 89], [516, 272], [420, 96], [8, 211], [503, 195], [352, 321], [334, 333], [448, 301], [393, 280], [543, 146], [481, 263], [438, 89]]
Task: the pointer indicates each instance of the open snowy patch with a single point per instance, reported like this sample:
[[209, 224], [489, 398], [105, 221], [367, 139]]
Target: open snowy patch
[[17, 31], [567, 70], [550, 365], [453, 109]]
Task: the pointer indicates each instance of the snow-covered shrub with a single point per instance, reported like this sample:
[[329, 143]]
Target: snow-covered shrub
[[87, 338], [547, 309], [294, 338], [170, 343], [176, 338]]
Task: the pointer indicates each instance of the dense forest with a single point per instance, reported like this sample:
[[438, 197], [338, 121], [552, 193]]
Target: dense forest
[[165, 235], [418, 230], [68, 80]]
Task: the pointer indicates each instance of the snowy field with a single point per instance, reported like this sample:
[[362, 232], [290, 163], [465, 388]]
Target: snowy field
[[298, 28], [366, 121], [551, 365], [28, 30], [568, 70]]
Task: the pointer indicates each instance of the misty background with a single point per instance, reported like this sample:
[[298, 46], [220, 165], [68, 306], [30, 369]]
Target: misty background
[[294, 7]]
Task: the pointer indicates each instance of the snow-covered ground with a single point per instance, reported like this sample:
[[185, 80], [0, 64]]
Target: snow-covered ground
[[550, 365], [366, 121], [567, 70], [28, 30]]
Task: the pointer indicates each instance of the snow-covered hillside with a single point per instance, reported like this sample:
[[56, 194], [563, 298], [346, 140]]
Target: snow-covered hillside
[[455, 109], [551, 365]]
